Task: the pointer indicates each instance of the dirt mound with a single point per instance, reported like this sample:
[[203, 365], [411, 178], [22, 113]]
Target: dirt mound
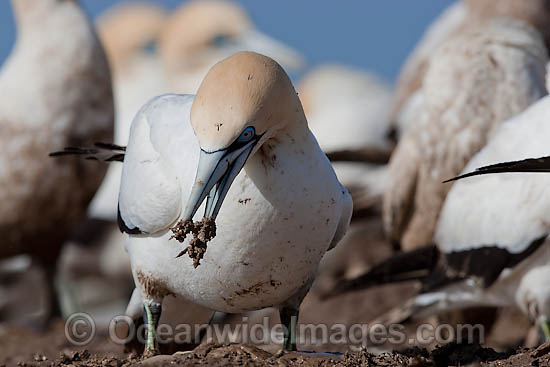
[[243, 355]]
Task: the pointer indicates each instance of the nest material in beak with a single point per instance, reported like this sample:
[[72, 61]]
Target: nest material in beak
[[203, 231]]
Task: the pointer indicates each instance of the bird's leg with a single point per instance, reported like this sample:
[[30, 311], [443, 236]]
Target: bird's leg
[[545, 328], [54, 307], [289, 319], [151, 317]]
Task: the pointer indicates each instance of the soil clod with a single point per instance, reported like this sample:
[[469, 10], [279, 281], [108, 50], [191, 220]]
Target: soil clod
[[203, 231]]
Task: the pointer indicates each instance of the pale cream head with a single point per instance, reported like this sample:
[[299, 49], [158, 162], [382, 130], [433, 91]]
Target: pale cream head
[[246, 89], [194, 27], [126, 28]]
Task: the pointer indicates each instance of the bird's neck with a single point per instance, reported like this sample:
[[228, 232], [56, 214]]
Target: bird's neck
[[294, 138]]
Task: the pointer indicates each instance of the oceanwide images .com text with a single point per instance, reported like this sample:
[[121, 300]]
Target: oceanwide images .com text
[[80, 330]]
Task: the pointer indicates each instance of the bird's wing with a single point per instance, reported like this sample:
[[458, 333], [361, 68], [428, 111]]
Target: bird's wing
[[403, 266], [159, 166], [369, 155], [436, 269], [345, 218], [483, 264]]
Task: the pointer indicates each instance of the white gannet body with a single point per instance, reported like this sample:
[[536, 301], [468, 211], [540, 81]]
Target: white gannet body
[[56, 92], [280, 215], [474, 82]]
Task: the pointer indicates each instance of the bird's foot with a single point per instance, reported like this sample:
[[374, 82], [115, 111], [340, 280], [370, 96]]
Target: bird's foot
[[281, 352], [150, 352], [545, 328]]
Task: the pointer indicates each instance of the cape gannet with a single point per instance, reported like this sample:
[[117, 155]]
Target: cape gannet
[[56, 92], [490, 239], [243, 141], [474, 82]]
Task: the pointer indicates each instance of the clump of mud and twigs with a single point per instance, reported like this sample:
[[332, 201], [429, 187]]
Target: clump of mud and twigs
[[203, 231]]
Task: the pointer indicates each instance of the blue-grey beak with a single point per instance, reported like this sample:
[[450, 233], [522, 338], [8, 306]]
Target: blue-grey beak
[[215, 174]]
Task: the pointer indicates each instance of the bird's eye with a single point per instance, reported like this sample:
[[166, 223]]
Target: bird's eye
[[220, 40], [150, 47], [247, 135]]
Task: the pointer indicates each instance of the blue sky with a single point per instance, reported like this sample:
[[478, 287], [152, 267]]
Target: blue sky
[[375, 35]]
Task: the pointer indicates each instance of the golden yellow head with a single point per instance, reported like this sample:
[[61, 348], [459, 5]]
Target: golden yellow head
[[244, 90]]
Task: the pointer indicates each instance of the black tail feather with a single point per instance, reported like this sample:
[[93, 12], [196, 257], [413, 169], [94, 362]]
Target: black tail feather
[[109, 146], [364, 155], [532, 165], [105, 152], [411, 265]]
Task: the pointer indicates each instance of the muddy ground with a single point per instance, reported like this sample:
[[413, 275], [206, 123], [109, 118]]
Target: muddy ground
[[364, 246]]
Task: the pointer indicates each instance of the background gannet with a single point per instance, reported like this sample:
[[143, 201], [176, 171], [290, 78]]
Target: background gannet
[[200, 33], [473, 83], [456, 19], [490, 238], [347, 109], [56, 92], [405, 99], [283, 211]]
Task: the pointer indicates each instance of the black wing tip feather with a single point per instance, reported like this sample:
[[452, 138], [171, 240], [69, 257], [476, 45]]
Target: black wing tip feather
[[470, 174], [109, 146], [123, 227], [529, 165], [116, 158], [73, 151], [401, 267], [99, 153]]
